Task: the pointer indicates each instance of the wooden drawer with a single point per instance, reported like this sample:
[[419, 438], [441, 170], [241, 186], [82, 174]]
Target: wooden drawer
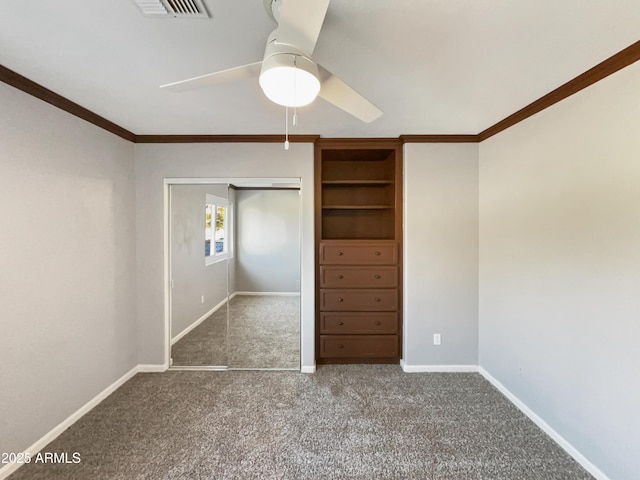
[[357, 300], [358, 254], [362, 346], [359, 323], [358, 277]]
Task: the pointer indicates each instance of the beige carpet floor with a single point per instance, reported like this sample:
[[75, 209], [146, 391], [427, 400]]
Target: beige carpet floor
[[263, 332], [359, 422]]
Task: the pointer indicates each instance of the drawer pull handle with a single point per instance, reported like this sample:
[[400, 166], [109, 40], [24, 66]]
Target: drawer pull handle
[[339, 254], [340, 277], [377, 253], [340, 323], [377, 322], [341, 299], [376, 276], [378, 299], [340, 345]]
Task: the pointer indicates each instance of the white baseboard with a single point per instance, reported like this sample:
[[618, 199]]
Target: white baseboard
[[198, 322], [151, 368], [281, 294], [73, 418], [545, 427], [308, 369], [437, 368]]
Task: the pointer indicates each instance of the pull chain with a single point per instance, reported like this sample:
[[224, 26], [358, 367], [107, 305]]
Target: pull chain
[[286, 128], [294, 121]]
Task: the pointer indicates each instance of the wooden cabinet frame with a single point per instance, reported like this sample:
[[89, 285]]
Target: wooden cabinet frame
[[358, 206]]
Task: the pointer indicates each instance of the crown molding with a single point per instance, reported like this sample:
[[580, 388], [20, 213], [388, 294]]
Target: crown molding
[[439, 138], [342, 142], [224, 138], [611, 65], [32, 88], [617, 62]]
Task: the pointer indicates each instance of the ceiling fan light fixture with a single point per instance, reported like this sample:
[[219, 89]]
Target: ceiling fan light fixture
[[289, 80]]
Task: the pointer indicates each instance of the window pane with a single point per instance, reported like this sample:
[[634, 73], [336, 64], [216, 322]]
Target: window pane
[[221, 217], [208, 230]]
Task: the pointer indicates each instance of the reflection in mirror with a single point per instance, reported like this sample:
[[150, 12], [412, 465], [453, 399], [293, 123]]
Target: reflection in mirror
[[234, 265], [199, 229], [264, 306]]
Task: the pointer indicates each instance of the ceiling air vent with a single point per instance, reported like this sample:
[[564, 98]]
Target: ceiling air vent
[[172, 8]]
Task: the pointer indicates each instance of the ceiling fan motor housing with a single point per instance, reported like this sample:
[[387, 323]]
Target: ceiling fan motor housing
[[288, 77]]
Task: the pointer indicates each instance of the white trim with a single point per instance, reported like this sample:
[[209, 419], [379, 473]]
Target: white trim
[[406, 325], [214, 200], [306, 232], [198, 322], [166, 235], [275, 294], [71, 419], [151, 368], [261, 369], [308, 368], [212, 368], [545, 427], [237, 181], [213, 259], [438, 368]]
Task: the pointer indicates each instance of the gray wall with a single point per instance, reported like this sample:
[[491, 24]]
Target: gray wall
[[440, 254], [268, 240], [560, 268], [192, 279], [222, 160], [67, 265]]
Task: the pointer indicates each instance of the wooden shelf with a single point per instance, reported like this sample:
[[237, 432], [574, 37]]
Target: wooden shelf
[[357, 195], [358, 223], [357, 182], [357, 207]]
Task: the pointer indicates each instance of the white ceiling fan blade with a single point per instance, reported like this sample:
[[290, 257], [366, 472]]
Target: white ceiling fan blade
[[224, 76], [335, 91], [300, 22]]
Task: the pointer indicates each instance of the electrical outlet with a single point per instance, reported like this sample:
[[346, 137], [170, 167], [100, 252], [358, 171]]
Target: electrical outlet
[[436, 339], [297, 284], [202, 299]]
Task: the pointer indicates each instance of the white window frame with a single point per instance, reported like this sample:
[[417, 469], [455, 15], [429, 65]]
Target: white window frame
[[215, 257]]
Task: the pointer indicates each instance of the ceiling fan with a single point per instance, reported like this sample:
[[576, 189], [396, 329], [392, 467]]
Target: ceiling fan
[[287, 74]]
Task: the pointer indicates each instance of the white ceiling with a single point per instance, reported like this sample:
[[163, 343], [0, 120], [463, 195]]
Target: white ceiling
[[432, 66]]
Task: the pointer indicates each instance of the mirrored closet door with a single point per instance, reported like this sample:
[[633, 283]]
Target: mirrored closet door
[[264, 306], [235, 271], [199, 257]]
